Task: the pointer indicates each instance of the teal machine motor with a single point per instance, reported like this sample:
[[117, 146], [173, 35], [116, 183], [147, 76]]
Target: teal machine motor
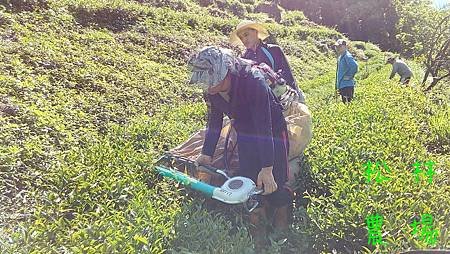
[[235, 190]]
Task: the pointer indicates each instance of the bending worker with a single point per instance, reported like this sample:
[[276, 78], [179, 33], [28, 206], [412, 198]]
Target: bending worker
[[239, 91], [400, 67]]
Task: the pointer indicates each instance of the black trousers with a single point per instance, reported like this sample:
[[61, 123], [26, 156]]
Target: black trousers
[[346, 93], [249, 166], [405, 80]]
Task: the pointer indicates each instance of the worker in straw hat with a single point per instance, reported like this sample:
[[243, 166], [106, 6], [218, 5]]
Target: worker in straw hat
[[252, 34], [236, 89]]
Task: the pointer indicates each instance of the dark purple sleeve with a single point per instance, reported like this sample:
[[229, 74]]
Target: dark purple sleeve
[[282, 63], [246, 55], [261, 116], [215, 119]]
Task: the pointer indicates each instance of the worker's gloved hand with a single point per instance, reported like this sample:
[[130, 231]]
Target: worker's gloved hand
[[266, 181], [201, 174], [204, 160]]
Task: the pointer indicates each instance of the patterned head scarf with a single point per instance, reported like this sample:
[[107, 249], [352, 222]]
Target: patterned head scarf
[[211, 64]]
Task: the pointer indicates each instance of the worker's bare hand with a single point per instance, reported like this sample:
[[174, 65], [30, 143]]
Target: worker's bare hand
[[204, 160], [266, 181]]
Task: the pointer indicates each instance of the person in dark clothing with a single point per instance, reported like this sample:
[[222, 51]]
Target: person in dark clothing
[[251, 35], [238, 90]]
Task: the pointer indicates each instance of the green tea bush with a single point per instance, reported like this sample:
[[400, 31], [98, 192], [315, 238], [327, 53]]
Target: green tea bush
[[292, 18], [96, 189], [380, 125], [258, 17], [440, 132], [226, 8], [173, 4], [201, 232]]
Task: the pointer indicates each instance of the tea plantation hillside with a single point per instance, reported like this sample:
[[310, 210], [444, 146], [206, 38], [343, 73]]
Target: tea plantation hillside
[[93, 92]]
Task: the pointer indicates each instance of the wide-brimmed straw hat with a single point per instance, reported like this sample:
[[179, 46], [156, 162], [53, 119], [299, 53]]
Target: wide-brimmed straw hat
[[262, 32]]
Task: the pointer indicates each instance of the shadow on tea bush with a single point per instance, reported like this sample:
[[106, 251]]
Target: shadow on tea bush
[[112, 19], [24, 5], [173, 4]]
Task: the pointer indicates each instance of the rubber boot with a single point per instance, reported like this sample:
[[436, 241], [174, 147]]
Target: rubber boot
[[282, 218], [258, 229]]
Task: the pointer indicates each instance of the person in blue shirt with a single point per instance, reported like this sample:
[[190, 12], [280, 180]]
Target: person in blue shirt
[[346, 70], [235, 88]]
